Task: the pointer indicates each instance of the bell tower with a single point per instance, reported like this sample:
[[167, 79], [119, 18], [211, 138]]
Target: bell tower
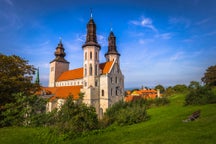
[[91, 50], [58, 65], [91, 76], [112, 53]]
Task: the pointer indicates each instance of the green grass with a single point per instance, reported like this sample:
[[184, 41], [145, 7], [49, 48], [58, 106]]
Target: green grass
[[165, 126]]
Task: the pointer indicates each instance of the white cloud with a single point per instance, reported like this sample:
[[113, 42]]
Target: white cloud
[[144, 22], [177, 56], [164, 36], [180, 21], [9, 2], [203, 21]]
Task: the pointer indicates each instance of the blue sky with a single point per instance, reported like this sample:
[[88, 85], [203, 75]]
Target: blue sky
[[165, 42]]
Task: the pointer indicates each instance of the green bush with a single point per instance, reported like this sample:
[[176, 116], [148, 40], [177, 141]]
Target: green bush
[[126, 113], [75, 117], [131, 115], [200, 95]]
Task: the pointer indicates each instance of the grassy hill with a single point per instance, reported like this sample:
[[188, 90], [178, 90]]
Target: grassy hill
[[165, 126]]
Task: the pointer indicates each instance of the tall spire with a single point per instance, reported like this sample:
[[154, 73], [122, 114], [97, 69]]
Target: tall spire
[[59, 53], [112, 45], [91, 37], [37, 80]]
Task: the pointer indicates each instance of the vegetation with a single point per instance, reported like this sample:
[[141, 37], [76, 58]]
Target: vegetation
[[165, 126], [25, 111], [20, 109], [200, 94], [160, 87], [209, 77], [126, 113], [16, 76], [75, 118]]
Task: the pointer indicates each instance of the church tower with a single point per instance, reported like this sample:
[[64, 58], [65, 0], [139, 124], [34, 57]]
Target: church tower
[[91, 50], [91, 56], [112, 53], [58, 65]]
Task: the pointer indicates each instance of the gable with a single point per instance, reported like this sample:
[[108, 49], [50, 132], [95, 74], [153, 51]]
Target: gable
[[106, 67]]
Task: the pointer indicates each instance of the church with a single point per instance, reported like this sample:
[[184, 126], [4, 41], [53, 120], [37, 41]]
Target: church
[[101, 83]]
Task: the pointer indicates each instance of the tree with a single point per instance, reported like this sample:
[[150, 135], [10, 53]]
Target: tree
[[76, 117], [160, 87], [16, 76], [210, 76], [169, 91], [194, 85], [180, 88], [24, 111]]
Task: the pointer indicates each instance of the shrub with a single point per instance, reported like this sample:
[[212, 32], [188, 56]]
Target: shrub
[[76, 117], [200, 95], [126, 113]]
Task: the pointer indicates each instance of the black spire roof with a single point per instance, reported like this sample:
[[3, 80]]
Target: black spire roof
[[59, 53], [112, 45], [91, 37]]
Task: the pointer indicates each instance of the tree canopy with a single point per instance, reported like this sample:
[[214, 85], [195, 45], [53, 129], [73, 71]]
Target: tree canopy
[[160, 87], [16, 76], [209, 77]]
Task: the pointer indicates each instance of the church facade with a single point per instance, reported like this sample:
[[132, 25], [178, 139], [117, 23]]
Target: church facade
[[101, 83]]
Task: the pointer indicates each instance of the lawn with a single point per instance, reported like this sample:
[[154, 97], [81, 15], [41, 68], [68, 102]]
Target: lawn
[[164, 126]]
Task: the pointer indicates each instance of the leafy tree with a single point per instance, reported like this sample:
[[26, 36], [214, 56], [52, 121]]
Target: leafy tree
[[180, 88], [25, 111], [75, 117], [169, 91], [160, 87], [200, 95], [16, 76], [210, 76], [194, 85]]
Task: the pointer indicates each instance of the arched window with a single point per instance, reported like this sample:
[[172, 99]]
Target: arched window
[[116, 80], [85, 70], [90, 55], [111, 91], [102, 92], [90, 69], [96, 56], [96, 71], [85, 55]]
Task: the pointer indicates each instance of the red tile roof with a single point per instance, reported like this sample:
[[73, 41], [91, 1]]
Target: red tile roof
[[71, 75], [78, 73], [63, 92], [105, 67]]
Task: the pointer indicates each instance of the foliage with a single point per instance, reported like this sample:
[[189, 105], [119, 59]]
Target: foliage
[[126, 113], [25, 111], [157, 101], [16, 75], [169, 91], [160, 87], [165, 126], [200, 95], [194, 85], [209, 77], [180, 88], [75, 117]]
